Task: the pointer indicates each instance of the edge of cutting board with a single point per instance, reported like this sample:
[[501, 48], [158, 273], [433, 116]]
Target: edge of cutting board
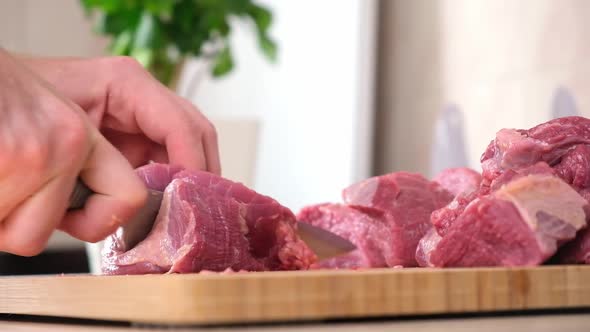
[[297, 295]]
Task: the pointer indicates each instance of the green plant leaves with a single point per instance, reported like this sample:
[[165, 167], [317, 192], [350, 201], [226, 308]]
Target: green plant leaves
[[143, 56], [269, 48], [224, 63], [118, 22], [148, 29], [122, 43], [262, 17], [148, 32], [159, 7]]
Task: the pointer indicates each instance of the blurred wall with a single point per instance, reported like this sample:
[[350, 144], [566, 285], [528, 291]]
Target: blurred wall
[[57, 27], [500, 61]]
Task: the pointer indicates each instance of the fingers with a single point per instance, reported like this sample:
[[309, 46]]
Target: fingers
[[138, 149], [161, 116], [212, 154], [208, 139], [119, 194], [27, 229]]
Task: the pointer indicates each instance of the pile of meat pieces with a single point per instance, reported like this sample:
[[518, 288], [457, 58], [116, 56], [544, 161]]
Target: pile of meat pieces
[[529, 206]]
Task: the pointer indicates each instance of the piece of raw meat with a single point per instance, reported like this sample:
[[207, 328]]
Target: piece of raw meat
[[443, 218], [574, 167], [406, 201], [577, 251], [514, 149], [563, 144], [209, 223], [426, 247], [540, 168], [522, 223], [459, 180], [368, 232]]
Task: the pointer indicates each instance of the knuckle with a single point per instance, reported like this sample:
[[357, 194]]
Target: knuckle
[[34, 154], [74, 136]]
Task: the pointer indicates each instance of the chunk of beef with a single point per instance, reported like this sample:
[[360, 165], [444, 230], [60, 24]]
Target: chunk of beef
[[522, 223], [210, 223], [369, 232], [406, 201], [459, 181]]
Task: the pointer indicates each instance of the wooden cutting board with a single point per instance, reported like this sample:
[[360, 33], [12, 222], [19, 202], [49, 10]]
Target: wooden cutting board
[[294, 296]]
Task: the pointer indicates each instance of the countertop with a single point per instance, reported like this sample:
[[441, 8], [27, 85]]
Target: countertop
[[578, 321]]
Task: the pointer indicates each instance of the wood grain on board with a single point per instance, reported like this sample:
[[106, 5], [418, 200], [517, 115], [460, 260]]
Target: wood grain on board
[[294, 296]]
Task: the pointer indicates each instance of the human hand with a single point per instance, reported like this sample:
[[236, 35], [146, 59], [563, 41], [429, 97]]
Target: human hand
[[46, 142], [142, 118]]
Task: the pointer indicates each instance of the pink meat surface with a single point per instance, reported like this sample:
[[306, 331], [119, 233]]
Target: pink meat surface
[[443, 218], [427, 245], [522, 223], [458, 181], [548, 142], [562, 144], [209, 223], [406, 201], [368, 232]]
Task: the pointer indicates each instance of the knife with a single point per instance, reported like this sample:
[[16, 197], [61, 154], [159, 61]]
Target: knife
[[448, 146], [323, 243], [563, 104]]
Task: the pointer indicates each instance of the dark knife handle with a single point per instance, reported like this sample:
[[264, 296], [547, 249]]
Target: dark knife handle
[[79, 195]]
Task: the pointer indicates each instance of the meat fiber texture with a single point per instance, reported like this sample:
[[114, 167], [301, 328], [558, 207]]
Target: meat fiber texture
[[368, 231], [521, 224], [384, 216], [443, 218], [459, 180], [556, 148], [563, 145], [208, 223]]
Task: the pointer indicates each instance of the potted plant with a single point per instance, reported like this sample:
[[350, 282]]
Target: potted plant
[[162, 34]]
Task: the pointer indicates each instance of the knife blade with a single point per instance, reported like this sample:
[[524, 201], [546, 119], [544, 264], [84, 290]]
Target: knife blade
[[563, 104], [323, 243]]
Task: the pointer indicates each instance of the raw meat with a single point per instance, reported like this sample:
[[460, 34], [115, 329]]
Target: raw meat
[[209, 223], [562, 144], [522, 223], [406, 201], [460, 180], [574, 167], [443, 218], [548, 142], [426, 247], [577, 251], [368, 232]]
